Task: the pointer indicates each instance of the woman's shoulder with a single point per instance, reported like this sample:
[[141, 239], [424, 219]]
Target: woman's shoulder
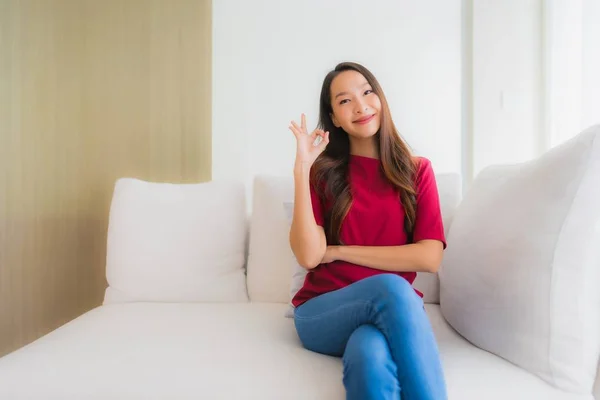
[[422, 164], [423, 170]]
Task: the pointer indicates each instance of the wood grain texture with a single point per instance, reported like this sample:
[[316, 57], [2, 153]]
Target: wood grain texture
[[90, 91]]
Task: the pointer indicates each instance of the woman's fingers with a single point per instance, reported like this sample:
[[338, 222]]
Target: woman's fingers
[[294, 131], [295, 125], [318, 138], [325, 141], [303, 122], [317, 132]]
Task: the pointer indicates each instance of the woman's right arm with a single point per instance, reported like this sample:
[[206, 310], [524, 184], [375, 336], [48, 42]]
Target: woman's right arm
[[307, 238]]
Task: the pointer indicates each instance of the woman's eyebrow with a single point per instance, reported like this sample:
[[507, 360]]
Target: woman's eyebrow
[[345, 93]]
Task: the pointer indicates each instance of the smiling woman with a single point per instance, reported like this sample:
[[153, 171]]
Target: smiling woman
[[366, 219]]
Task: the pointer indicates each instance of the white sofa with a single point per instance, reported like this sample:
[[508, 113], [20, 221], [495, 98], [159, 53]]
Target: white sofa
[[195, 310]]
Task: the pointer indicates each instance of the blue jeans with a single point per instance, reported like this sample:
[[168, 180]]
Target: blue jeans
[[380, 327]]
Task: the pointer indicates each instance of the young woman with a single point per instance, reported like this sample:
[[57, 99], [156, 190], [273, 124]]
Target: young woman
[[366, 220]]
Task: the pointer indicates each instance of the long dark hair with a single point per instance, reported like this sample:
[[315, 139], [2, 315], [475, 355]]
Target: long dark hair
[[330, 171]]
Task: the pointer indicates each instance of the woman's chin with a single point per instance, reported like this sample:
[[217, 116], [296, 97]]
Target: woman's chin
[[364, 133]]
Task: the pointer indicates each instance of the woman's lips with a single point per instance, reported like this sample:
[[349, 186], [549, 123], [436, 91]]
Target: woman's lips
[[365, 120]]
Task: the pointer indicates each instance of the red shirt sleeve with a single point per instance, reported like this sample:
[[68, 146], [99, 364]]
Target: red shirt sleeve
[[317, 206], [428, 222]]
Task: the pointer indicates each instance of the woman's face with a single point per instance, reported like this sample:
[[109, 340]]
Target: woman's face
[[356, 108]]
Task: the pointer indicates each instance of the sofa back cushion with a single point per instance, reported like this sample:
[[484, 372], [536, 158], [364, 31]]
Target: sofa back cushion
[[521, 272], [272, 268], [176, 242]]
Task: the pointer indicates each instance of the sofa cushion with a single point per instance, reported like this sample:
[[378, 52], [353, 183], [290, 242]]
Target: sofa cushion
[[270, 258], [520, 275], [273, 273], [166, 351], [223, 351], [176, 242]]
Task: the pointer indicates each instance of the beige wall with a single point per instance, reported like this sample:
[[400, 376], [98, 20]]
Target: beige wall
[[89, 91]]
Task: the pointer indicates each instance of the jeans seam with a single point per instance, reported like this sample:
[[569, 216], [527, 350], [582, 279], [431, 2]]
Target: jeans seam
[[341, 307]]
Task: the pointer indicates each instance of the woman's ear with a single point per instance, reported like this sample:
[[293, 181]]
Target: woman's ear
[[334, 120]]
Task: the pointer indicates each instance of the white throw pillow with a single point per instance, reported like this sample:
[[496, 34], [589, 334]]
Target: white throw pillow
[[176, 242], [521, 273], [270, 258]]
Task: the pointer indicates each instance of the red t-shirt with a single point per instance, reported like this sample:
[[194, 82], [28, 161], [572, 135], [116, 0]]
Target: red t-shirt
[[375, 218]]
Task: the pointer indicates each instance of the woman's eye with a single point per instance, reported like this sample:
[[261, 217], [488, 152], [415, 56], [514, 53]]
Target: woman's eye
[[344, 101], [368, 91]]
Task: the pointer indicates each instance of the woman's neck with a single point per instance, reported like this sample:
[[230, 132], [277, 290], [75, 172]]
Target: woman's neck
[[364, 147]]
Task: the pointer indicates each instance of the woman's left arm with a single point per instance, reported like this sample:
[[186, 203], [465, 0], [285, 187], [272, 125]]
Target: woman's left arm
[[423, 256]]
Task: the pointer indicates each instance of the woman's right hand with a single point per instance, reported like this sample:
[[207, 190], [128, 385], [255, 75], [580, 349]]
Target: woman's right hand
[[306, 151]]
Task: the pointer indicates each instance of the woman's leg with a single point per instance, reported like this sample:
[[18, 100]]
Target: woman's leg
[[369, 371], [388, 302]]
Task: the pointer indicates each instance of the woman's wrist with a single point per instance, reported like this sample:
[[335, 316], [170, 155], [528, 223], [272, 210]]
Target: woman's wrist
[[302, 168], [333, 253]]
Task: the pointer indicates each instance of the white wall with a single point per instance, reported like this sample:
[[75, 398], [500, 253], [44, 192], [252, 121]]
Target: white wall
[[572, 62], [591, 63], [507, 81], [270, 57], [563, 61], [534, 76]]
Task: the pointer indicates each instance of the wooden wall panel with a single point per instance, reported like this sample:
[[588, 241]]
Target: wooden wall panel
[[90, 91]]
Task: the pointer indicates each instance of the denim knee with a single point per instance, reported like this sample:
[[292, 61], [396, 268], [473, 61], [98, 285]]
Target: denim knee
[[394, 289]]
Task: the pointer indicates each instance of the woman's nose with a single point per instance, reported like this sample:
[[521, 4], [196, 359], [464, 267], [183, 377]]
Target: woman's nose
[[361, 107]]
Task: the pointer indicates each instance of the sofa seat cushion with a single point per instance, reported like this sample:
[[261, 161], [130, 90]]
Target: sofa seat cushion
[[172, 351], [222, 351], [472, 373]]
